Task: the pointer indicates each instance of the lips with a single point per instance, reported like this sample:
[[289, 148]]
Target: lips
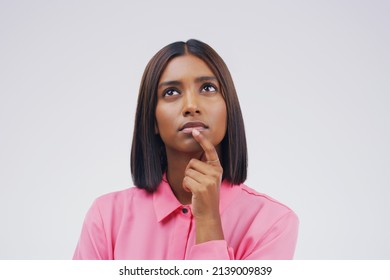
[[189, 126]]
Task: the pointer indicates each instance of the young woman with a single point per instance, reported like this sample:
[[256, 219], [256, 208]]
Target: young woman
[[188, 162]]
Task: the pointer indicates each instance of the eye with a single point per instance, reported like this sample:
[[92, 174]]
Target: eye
[[209, 88], [170, 92]]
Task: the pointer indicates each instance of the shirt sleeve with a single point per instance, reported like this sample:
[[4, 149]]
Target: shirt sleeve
[[92, 244], [211, 250], [277, 244]]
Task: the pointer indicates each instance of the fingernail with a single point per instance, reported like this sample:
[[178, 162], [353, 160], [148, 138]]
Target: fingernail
[[195, 132]]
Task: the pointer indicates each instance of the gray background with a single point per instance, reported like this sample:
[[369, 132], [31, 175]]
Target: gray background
[[313, 82]]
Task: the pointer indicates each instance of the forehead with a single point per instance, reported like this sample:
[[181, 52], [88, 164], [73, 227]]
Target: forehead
[[185, 67]]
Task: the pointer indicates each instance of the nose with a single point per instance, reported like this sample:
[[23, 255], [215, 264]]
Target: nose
[[190, 104]]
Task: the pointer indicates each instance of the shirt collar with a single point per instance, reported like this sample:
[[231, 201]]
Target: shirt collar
[[165, 202]]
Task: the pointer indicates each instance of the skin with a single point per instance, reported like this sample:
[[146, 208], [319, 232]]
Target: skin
[[188, 91]]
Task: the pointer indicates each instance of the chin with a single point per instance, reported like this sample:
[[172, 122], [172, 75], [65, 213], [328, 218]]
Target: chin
[[185, 146], [191, 148]]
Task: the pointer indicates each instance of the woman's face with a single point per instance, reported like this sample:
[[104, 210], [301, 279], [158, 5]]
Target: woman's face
[[189, 95]]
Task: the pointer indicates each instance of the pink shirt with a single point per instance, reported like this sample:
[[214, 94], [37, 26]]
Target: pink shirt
[[134, 224]]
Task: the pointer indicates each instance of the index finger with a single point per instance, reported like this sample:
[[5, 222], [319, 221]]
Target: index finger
[[208, 148]]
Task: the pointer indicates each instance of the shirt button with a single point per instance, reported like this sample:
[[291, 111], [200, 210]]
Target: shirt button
[[184, 210]]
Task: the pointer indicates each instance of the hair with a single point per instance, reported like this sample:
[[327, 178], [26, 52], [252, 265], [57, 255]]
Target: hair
[[148, 156]]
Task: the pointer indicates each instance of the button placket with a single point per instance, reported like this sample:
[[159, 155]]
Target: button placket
[[181, 233]]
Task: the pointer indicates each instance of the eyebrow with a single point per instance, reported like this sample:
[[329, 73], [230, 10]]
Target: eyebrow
[[197, 80], [205, 78]]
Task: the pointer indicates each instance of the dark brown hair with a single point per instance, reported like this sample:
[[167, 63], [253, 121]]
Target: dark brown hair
[[148, 158]]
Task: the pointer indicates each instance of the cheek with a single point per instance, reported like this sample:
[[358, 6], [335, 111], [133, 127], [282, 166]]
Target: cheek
[[164, 119], [220, 117], [221, 113], [160, 118]]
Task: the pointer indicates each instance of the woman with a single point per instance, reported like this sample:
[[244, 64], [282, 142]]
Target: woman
[[188, 162]]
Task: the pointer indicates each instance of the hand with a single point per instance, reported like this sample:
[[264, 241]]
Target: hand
[[203, 179]]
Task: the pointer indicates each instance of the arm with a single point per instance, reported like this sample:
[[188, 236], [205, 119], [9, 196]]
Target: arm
[[278, 243], [203, 179], [92, 244]]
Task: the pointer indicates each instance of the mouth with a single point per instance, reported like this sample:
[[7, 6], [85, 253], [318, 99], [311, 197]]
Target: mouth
[[189, 126]]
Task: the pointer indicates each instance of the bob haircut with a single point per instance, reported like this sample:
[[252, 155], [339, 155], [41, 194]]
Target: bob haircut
[[148, 156]]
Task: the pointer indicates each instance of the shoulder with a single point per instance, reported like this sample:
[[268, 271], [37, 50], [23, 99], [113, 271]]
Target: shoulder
[[266, 199], [262, 204], [124, 194], [118, 200]]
